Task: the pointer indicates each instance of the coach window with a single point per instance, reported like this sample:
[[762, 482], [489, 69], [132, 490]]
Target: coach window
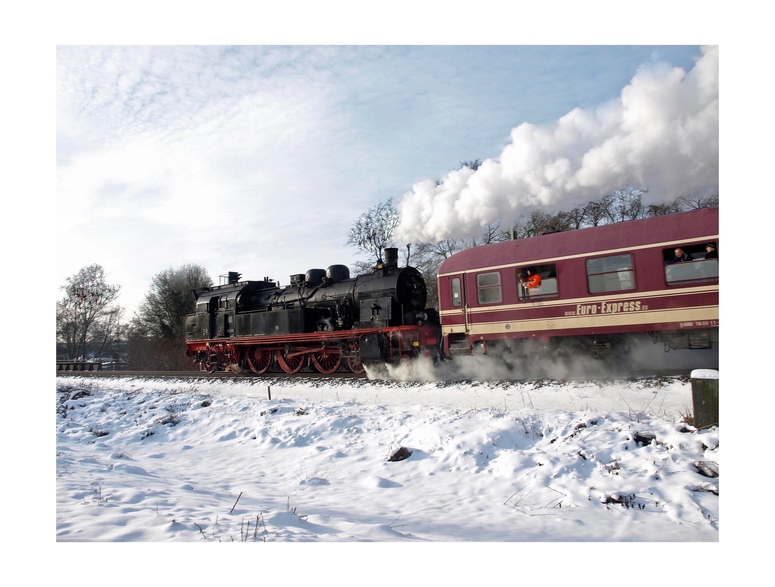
[[699, 264], [457, 298], [548, 287], [610, 274], [488, 286]]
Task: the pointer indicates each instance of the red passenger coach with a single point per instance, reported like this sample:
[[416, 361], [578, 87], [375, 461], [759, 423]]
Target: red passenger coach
[[599, 288]]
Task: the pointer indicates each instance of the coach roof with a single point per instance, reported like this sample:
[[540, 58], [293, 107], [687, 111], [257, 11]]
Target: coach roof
[[667, 230]]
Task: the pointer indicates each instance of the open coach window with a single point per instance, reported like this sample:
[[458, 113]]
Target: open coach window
[[530, 288], [610, 274], [690, 264]]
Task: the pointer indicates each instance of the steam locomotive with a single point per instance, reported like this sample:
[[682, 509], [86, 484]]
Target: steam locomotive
[[323, 319]]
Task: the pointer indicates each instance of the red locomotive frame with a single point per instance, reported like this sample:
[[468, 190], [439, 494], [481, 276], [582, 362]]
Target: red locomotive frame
[[323, 351], [600, 282]]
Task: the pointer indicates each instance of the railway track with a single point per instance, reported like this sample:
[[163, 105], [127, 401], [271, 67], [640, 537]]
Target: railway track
[[638, 374], [204, 375]]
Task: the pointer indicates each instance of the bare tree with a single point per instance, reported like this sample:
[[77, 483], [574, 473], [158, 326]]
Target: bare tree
[[694, 201], [535, 224], [362, 268], [663, 209], [373, 230], [108, 333], [85, 321], [624, 204], [595, 213], [577, 217], [492, 233], [474, 164], [446, 248]]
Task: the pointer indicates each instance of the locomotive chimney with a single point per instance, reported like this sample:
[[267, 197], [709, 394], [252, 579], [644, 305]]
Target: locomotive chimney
[[391, 257]]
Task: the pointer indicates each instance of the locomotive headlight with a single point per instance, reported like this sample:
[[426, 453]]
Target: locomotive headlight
[[416, 343]]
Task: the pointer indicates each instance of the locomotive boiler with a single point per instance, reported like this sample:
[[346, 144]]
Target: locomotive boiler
[[322, 319]]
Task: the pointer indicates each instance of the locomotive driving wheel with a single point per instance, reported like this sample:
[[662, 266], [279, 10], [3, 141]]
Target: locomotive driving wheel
[[259, 360], [210, 366], [355, 365], [291, 363], [327, 361]]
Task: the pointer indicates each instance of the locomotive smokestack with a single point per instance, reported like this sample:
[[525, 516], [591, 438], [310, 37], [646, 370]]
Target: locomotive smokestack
[[391, 257]]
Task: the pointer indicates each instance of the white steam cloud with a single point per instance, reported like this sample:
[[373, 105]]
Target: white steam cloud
[[662, 133], [516, 360]]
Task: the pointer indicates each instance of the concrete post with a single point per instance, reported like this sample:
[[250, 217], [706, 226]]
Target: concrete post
[[705, 397]]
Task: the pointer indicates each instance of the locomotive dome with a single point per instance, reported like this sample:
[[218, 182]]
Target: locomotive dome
[[314, 277], [336, 273]]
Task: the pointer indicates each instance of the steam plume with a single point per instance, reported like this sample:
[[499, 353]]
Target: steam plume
[[662, 133], [514, 360]]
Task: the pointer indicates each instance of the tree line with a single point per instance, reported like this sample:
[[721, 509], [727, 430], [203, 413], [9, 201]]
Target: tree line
[[90, 325]]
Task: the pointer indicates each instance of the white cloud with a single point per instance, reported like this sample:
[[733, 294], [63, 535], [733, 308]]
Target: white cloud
[[258, 159], [220, 170], [662, 133]]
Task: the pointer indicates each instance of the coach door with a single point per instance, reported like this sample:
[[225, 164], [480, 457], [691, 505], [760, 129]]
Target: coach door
[[458, 299]]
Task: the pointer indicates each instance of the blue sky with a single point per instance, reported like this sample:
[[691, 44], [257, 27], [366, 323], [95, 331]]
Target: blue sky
[[259, 158]]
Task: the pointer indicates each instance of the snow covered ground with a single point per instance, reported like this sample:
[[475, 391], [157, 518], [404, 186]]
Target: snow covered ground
[[153, 460]]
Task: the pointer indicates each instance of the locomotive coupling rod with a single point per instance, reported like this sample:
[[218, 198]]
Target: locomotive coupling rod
[[304, 352]]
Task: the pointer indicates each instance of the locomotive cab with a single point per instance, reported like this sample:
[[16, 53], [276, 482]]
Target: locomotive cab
[[217, 308]]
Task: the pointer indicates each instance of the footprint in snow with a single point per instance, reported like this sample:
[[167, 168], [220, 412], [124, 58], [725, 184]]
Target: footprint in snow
[[314, 481]]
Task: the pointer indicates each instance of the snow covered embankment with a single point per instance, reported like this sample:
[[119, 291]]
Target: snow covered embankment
[[150, 462]]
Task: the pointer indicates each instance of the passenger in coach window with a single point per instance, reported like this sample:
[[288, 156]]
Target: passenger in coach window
[[531, 279], [711, 254], [680, 257]]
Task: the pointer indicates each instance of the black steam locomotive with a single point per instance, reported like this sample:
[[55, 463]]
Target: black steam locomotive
[[322, 319]]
